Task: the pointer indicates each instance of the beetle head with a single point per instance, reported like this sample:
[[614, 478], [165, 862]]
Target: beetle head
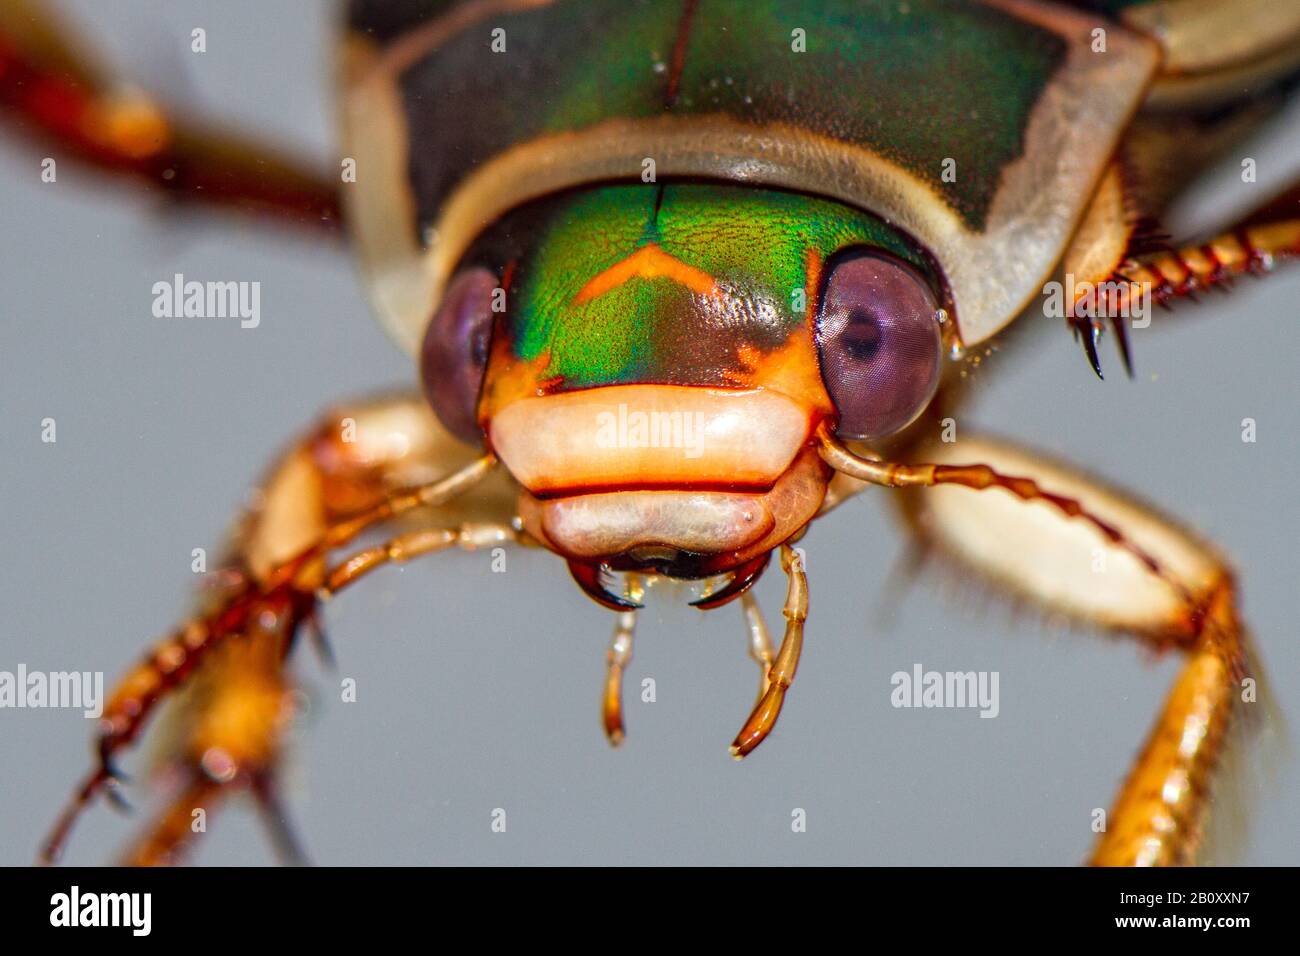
[[655, 360]]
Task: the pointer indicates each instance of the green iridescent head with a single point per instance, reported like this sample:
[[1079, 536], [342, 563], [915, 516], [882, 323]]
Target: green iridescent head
[[676, 284]]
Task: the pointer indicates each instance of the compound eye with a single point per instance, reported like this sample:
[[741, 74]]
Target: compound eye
[[878, 343], [455, 351]]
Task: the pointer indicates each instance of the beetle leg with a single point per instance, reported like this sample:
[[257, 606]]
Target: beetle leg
[[617, 658], [781, 673], [60, 98], [842, 488], [1249, 249], [1139, 279], [337, 483], [169, 668], [760, 642], [275, 817], [239, 703], [164, 838], [982, 477], [414, 544], [1152, 580]]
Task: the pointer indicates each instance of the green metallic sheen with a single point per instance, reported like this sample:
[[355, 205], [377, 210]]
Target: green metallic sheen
[[916, 82], [754, 242]]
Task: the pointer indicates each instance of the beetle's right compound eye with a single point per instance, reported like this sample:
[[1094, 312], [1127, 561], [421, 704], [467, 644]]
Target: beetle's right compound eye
[[878, 343], [455, 352]]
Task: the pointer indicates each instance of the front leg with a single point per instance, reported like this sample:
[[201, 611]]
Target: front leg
[[369, 466], [1164, 586], [54, 94]]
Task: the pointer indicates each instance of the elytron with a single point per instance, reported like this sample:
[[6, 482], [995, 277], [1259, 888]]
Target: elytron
[[680, 278]]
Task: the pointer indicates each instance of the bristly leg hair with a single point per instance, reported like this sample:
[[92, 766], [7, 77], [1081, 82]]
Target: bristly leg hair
[[1257, 735], [1254, 751]]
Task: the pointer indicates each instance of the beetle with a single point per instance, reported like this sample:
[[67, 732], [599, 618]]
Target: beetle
[[618, 259]]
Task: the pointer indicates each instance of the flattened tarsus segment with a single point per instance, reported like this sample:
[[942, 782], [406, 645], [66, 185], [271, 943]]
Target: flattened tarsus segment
[[1074, 568]]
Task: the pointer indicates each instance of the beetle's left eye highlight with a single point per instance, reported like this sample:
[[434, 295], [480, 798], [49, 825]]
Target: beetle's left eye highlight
[[878, 343], [455, 352]]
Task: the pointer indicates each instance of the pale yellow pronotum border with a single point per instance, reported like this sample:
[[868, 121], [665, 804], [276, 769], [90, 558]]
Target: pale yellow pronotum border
[[992, 273], [1211, 36]]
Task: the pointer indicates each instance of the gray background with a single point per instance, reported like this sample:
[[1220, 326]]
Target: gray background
[[480, 690]]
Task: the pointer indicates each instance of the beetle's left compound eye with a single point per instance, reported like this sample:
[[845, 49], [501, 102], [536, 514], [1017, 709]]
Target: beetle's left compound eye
[[878, 343], [455, 352]]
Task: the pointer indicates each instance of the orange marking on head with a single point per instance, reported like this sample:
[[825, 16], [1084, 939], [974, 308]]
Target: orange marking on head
[[748, 358], [813, 282], [648, 262], [508, 274]]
